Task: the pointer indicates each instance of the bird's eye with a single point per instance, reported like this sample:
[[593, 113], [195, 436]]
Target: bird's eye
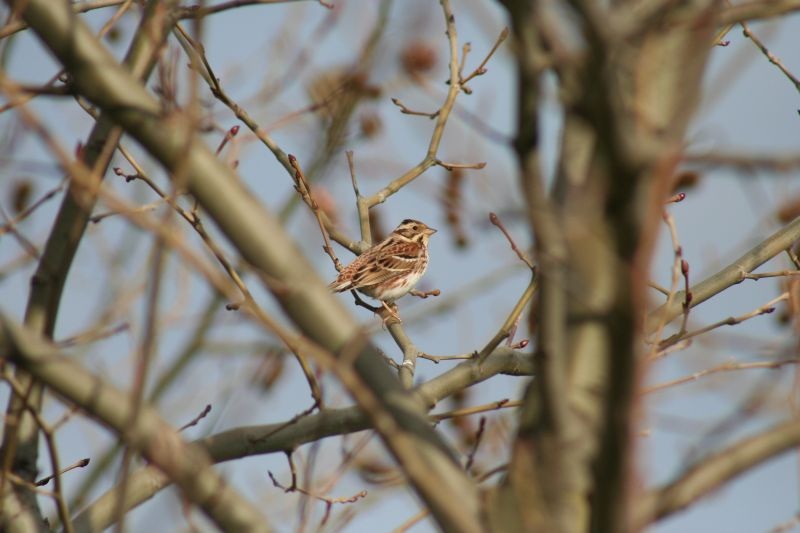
[[415, 227]]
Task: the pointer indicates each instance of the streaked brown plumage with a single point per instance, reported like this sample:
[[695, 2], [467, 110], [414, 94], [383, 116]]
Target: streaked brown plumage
[[391, 268]]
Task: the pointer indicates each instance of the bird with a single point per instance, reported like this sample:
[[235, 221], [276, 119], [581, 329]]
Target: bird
[[391, 268]]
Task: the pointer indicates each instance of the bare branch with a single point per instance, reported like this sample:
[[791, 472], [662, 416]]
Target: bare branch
[[730, 275], [708, 474]]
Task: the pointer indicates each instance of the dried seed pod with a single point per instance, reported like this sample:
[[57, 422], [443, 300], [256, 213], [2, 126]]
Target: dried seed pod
[[418, 57], [270, 369], [452, 202], [21, 192], [376, 226], [788, 210], [370, 124]]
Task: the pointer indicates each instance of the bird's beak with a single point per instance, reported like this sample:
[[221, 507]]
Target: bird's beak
[[430, 231]]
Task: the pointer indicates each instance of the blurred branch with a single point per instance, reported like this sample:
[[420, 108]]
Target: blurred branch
[[287, 436], [424, 457], [532, 496], [163, 383], [79, 7], [711, 472], [18, 453], [200, 63], [55, 464], [774, 163], [758, 9], [200, 10], [187, 465], [731, 366]]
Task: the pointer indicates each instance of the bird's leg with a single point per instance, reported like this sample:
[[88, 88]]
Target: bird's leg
[[392, 313], [377, 310], [365, 305]]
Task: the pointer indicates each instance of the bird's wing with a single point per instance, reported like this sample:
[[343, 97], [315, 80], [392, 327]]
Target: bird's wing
[[387, 263]]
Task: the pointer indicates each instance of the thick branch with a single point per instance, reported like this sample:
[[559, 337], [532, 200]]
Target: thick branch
[[19, 447], [712, 472], [260, 238], [759, 9], [287, 436], [186, 465], [728, 276]]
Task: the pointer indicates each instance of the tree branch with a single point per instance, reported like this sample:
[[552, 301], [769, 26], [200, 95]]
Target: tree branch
[[287, 436], [730, 275], [711, 472], [427, 461], [186, 465]]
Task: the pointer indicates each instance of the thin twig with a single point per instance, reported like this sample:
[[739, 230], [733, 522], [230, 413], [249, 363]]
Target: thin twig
[[301, 185], [439, 358], [481, 69], [659, 288], [49, 437], [731, 366], [510, 323], [25, 213], [197, 53], [778, 274], [361, 204], [78, 464], [453, 166], [478, 438], [405, 526], [406, 111], [491, 406], [441, 119], [765, 309], [511, 320], [769, 55], [677, 252], [198, 418], [494, 219], [328, 500]]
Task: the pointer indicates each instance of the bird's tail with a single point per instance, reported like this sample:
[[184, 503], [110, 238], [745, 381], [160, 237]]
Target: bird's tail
[[340, 285]]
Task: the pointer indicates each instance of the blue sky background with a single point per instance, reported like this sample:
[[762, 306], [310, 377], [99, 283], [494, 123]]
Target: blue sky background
[[748, 107]]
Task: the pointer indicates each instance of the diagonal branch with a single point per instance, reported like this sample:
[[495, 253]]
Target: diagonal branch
[[728, 276], [19, 447], [187, 465], [442, 115], [425, 458], [712, 472], [288, 436]]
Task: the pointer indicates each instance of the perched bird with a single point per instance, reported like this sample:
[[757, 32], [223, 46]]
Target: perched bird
[[391, 268]]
